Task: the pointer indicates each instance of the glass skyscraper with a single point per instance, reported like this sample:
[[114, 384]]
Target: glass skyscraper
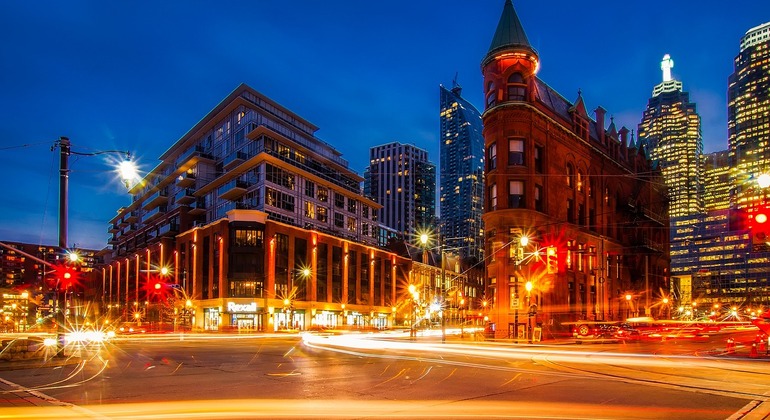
[[462, 174], [748, 116], [670, 129], [403, 181]]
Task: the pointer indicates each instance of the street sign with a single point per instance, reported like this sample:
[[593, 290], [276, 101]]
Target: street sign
[[515, 303]]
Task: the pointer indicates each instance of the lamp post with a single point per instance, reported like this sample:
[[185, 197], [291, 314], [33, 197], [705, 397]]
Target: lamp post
[[628, 305], [127, 170], [519, 253], [528, 286], [413, 295]]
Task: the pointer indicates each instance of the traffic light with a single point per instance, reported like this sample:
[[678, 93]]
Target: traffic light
[[157, 288], [64, 276], [551, 260], [760, 225]]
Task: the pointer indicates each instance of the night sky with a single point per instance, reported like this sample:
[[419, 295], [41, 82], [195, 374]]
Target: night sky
[[137, 75]]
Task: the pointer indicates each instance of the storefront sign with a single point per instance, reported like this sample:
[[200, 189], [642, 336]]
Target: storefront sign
[[233, 307]]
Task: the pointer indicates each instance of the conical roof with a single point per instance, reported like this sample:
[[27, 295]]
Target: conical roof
[[509, 35]]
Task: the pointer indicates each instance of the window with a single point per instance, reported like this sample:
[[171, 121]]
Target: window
[[570, 246], [539, 152], [352, 224], [517, 89], [570, 210], [248, 237], [278, 199], [365, 211], [515, 152], [492, 156], [322, 214], [491, 94], [513, 297], [339, 220], [570, 174], [580, 181], [516, 195], [339, 200], [323, 194], [581, 214], [493, 197], [539, 197], [352, 205], [310, 188]]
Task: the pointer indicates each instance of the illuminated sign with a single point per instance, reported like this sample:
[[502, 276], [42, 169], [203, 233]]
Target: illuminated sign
[[238, 307]]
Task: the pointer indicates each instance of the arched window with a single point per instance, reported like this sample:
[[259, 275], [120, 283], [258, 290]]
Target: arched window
[[517, 89], [570, 174], [491, 95]]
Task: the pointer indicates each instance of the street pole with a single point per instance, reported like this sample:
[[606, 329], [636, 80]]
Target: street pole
[[61, 298]]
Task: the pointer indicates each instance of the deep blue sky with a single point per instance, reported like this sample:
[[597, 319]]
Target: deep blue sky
[[137, 75]]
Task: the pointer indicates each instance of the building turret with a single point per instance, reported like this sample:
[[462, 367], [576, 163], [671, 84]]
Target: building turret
[[510, 63]]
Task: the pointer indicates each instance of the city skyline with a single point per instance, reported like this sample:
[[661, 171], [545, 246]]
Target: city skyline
[[127, 79]]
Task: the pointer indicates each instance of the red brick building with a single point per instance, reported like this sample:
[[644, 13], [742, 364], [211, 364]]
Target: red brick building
[[583, 190]]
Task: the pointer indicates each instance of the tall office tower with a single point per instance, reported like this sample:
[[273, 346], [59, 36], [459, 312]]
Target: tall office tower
[[748, 116], [717, 181], [402, 180], [461, 188], [589, 202], [671, 131]]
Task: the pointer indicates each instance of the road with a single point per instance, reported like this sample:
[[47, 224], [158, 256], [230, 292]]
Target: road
[[369, 376]]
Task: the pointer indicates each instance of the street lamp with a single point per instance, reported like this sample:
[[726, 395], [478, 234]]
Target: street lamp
[[628, 307], [127, 171]]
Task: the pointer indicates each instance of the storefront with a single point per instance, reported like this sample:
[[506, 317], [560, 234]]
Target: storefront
[[244, 316], [211, 319]]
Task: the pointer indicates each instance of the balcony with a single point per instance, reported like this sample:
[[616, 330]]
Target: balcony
[[153, 214], [169, 229], [197, 207], [193, 156], [113, 240], [233, 189], [185, 196], [187, 179], [234, 159], [132, 217], [160, 197], [113, 228]]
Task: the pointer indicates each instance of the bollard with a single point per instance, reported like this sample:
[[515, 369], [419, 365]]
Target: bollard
[[753, 350], [730, 346]]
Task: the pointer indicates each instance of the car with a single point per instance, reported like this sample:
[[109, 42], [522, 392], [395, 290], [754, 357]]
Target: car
[[627, 331]]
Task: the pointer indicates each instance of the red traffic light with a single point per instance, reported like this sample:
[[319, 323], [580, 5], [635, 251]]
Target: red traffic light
[[760, 225], [156, 288], [63, 276]]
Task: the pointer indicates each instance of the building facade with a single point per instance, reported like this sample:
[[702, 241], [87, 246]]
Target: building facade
[[571, 186], [403, 181], [671, 130], [461, 185], [725, 265], [248, 154], [748, 116]]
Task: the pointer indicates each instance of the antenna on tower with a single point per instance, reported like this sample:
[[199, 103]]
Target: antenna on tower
[[456, 88]]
